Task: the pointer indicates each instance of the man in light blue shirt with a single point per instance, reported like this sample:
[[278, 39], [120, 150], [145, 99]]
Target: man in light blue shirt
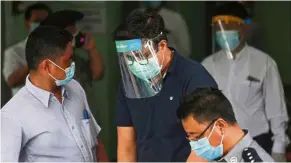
[[49, 120]]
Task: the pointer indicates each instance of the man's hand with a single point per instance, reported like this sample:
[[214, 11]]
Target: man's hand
[[90, 44], [18, 77], [101, 153], [279, 157]]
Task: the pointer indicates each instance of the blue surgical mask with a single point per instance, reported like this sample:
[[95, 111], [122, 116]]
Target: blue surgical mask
[[33, 26], [205, 150], [70, 71], [148, 71], [227, 40], [153, 3]]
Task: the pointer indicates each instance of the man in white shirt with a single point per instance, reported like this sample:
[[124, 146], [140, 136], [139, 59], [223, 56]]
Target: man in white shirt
[[250, 79], [15, 67], [49, 119], [177, 30]]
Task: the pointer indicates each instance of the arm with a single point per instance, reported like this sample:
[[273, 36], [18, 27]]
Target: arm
[[275, 107], [126, 148], [101, 152], [126, 137], [14, 73], [18, 77], [11, 138], [96, 63]]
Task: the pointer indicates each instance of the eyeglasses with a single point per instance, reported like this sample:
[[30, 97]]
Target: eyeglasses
[[203, 132], [141, 59]]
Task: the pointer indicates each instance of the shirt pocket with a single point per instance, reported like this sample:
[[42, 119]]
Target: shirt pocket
[[246, 92], [90, 133]]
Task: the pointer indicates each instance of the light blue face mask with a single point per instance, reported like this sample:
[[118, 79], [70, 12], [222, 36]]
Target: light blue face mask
[[227, 40], [153, 3], [148, 71], [205, 150], [70, 71], [33, 26]]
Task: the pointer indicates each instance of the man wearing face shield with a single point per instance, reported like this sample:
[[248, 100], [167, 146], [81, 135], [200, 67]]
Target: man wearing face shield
[[214, 134], [250, 79], [49, 119], [15, 67], [154, 78]]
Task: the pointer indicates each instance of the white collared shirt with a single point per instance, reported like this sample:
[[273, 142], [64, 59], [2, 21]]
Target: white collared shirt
[[36, 127], [14, 58], [252, 84]]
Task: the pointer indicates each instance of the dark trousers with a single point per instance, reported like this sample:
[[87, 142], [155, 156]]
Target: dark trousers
[[265, 141]]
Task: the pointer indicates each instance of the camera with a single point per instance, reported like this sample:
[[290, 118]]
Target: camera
[[80, 40]]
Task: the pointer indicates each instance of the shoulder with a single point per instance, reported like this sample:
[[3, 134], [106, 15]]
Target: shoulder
[[261, 152], [261, 57], [211, 59], [191, 71], [18, 47], [19, 105], [189, 67]]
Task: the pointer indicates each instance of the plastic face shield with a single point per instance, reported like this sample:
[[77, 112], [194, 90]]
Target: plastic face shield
[[140, 68], [226, 34]]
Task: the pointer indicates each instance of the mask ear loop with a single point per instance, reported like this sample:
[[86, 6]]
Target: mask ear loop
[[149, 44], [222, 137], [211, 131]]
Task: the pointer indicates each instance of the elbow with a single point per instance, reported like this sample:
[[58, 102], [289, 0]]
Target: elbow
[[99, 75], [11, 82]]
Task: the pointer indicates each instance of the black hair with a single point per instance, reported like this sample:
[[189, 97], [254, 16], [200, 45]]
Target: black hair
[[37, 6], [46, 42], [232, 8], [142, 24], [206, 105]]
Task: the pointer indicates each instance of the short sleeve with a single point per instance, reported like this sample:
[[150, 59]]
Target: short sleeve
[[200, 78], [123, 117], [11, 138]]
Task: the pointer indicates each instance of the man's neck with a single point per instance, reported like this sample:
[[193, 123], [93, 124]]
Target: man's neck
[[167, 60], [40, 82], [238, 49], [234, 136]]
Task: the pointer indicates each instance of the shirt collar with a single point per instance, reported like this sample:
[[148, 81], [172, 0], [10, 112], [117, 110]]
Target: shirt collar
[[242, 53], [42, 95], [236, 151], [174, 61]]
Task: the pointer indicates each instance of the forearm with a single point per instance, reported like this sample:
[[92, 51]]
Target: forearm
[[278, 127], [18, 77], [127, 154], [96, 64]]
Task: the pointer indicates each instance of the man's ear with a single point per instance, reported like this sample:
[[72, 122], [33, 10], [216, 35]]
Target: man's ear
[[162, 45], [221, 125]]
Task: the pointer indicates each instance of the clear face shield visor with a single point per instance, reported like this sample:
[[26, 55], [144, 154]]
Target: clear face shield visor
[[226, 34], [140, 67]]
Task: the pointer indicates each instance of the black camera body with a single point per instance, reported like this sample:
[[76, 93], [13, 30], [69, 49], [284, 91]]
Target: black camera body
[[80, 40]]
